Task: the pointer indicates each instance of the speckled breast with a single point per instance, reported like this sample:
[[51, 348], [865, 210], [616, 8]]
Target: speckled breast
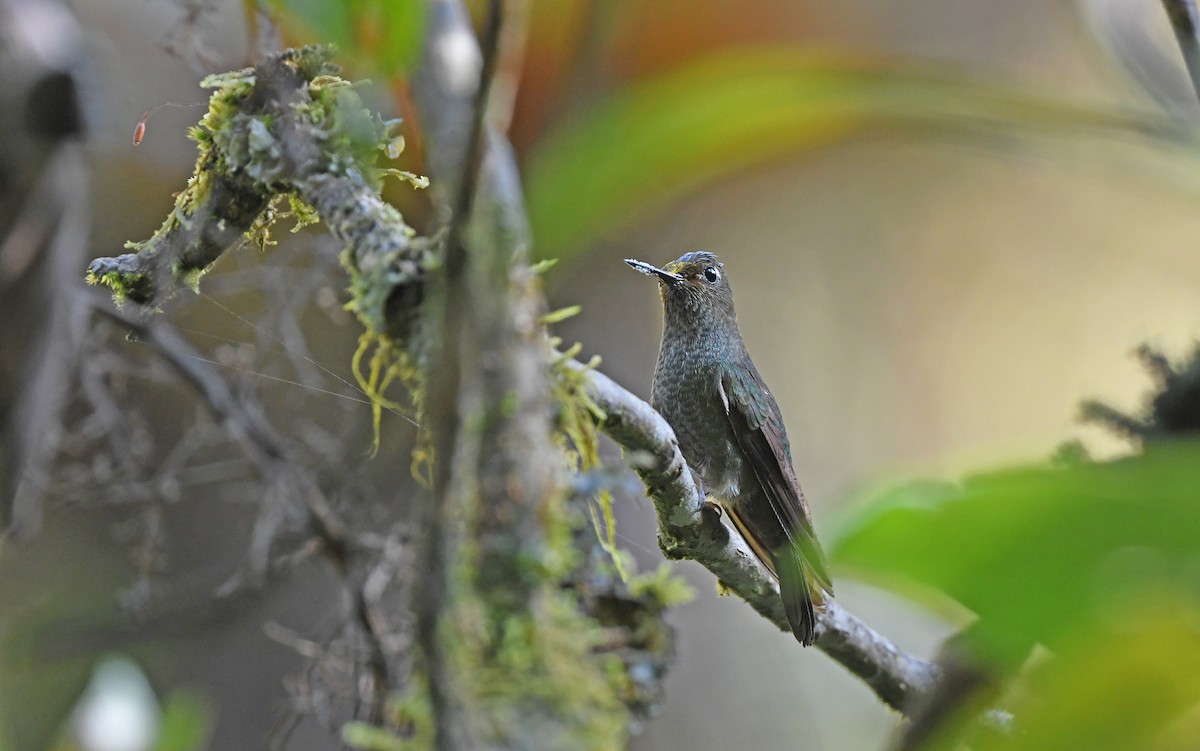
[[687, 393]]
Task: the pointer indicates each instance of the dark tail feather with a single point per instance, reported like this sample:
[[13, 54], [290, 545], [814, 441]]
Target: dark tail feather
[[797, 595]]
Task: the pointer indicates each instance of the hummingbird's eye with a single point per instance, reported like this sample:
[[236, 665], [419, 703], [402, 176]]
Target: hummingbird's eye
[[711, 275]]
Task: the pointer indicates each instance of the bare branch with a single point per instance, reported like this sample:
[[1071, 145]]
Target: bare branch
[[287, 477], [687, 529]]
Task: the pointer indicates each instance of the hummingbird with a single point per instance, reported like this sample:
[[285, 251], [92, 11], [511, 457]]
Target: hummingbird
[[731, 432]]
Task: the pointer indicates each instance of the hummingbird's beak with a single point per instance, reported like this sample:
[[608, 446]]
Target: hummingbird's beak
[[666, 277]]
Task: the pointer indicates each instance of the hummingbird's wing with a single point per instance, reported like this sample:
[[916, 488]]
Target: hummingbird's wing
[[795, 555]]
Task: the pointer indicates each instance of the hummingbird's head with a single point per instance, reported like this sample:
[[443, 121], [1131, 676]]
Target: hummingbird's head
[[694, 289]]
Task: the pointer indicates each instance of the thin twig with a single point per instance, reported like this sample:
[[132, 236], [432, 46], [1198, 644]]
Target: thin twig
[[489, 45], [1185, 20], [240, 413], [289, 479]]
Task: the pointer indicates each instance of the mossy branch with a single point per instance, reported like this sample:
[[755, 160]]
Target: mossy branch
[[286, 129]]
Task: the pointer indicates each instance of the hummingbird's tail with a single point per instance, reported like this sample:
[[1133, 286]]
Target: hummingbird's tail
[[798, 594], [802, 580]]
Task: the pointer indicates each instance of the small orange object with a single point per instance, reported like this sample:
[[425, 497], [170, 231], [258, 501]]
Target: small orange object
[[140, 131]]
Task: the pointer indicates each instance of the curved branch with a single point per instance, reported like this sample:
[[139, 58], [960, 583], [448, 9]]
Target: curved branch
[[687, 529]]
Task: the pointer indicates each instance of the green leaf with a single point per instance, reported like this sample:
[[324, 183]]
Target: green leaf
[[186, 723], [382, 35], [1110, 696], [360, 735], [1042, 555], [562, 314], [325, 20], [393, 31], [657, 140]]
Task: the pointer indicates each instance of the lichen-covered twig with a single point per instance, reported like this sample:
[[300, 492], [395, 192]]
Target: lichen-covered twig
[[286, 128], [687, 529]]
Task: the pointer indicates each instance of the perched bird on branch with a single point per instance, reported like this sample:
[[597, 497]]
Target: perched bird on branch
[[731, 433]]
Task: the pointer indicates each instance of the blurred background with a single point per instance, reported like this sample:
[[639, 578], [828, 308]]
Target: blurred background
[[946, 223]]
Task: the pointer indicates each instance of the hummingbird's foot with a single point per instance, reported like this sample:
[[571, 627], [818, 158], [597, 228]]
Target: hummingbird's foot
[[710, 522]]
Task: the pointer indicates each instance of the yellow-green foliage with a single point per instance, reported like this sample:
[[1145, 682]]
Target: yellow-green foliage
[[304, 214], [580, 441], [663, 586], [578, 417], [354, 136], [241, 145], [365, 737], [259, 233], [119, 283], [389, 362], [1095, 561], [411, 713]]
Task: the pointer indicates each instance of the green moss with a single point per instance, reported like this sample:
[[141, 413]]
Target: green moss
[[354, 136], [360, 735], [542, 683], [258, 234], [189, 277], [544, 673], [509, 404], [304, 214], [411, 713], [123, 285], [187, 201], [579, 437], [238, 144], [389, 363], [663, 588]]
